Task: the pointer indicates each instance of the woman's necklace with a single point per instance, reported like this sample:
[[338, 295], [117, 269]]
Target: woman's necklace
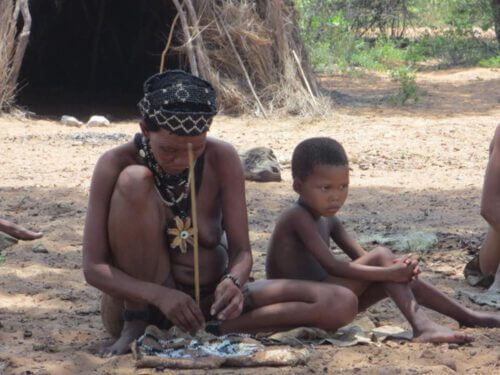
[[174, 192]]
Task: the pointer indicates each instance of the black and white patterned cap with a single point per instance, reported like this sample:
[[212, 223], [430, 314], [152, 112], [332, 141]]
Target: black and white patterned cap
[[179, 102]]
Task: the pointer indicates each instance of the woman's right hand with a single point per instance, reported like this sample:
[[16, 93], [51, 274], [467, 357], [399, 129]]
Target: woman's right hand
[[181, 310], [402, 272]]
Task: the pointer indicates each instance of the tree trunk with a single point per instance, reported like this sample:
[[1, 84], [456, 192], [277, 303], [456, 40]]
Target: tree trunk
[[495, 6], [22, 40]]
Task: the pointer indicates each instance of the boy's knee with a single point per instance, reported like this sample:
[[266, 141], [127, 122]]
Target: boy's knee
[[339, 309], [134, 183], [384, 254]]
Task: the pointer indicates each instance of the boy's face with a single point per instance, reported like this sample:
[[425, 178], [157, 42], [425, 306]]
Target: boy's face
[[325, 190]]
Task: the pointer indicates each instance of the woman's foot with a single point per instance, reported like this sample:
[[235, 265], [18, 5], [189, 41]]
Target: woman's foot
[[131, 331], [436, 333]]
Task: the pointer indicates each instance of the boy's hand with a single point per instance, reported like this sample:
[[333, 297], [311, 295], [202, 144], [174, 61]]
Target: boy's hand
[[408, 259], [228, 302], [181, 310], [402, 272]]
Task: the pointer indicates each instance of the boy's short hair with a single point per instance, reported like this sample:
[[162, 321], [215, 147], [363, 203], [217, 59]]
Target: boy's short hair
[[316, 151]]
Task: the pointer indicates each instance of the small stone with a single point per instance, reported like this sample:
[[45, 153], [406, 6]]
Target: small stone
[[453, 346], [70, 121], [98, 121], [27, 334], [450, 364], [428, 354], [39, 248]]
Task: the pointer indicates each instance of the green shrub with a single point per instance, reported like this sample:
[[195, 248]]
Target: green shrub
[[492, 62], [408, 88]]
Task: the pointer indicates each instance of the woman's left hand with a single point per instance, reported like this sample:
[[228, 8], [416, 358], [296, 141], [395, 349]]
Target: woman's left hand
[[228, 302]]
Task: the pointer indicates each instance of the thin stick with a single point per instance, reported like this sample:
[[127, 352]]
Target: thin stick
[[243, 68], [167, 46], [185, 27], [303, 76], [194, 219]]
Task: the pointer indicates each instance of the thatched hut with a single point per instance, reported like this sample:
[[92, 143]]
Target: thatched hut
[[100, 51]]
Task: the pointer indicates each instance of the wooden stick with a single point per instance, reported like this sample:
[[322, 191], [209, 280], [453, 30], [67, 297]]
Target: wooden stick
[[303, 76], [194, 219], [243, 68], [167, 46], [185, 27]]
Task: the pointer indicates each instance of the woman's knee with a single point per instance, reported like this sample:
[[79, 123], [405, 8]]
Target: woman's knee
[[134, 183]]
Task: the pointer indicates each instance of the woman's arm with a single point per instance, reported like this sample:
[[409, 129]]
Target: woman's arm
[[344, 240], [490, 201], [234, 211]]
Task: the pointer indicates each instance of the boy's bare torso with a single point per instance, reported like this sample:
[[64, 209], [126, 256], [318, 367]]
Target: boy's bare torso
[[286, 254], [212, 255]]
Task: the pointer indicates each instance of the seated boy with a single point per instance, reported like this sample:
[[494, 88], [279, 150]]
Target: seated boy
[[315, 288]]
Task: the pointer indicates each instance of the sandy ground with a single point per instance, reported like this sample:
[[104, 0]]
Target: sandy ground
[[418, 167]]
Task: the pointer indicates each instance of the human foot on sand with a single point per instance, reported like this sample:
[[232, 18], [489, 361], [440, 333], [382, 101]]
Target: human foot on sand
[[131, 331], [436, 333]]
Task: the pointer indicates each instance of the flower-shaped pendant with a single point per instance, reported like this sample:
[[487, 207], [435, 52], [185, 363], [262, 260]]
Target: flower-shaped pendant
[[180, 234]]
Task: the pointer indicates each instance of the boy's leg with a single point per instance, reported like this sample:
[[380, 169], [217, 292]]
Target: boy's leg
[[489, 257], [135, 227], [279, 305], [424, 329], [429, 296]]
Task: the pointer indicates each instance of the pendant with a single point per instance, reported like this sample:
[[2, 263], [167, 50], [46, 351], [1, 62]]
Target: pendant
[[180, 234]]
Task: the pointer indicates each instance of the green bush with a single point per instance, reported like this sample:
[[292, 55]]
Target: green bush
[[408, 89], [492, 62]]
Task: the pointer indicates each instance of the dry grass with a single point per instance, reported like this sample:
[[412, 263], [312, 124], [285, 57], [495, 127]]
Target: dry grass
[[264, 34], [7, 46]]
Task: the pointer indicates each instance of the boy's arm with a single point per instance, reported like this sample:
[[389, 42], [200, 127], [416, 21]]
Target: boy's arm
[[344, 240], [305, 227], [490, 201]]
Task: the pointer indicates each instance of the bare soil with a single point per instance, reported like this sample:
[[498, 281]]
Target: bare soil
[[417, 167]]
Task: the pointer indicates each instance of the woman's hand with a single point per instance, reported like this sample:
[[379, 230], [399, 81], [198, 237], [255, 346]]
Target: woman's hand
[[181, 310], [228, 302]]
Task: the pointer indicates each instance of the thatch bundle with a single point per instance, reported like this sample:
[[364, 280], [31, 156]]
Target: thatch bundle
[[7, 48], [246, 49]]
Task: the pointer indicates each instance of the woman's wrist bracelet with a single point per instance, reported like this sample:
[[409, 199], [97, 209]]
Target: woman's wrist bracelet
[[233, 278]]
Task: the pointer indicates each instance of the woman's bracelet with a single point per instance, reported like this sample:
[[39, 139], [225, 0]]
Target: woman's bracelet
[[233, 278]]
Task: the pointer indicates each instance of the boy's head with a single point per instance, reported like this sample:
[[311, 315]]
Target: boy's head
[[320, 171], [316, 151]]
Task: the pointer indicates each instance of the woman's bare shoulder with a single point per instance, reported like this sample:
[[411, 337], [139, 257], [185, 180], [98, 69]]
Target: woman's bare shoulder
[[120, 156]]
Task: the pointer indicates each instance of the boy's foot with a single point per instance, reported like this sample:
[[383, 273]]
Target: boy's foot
[[131, 331], [485, 319], [436, 333]]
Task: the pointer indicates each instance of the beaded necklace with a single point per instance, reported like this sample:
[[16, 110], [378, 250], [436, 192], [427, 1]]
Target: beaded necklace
[[174, 192]]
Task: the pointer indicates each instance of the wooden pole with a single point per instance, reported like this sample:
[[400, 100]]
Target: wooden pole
[[192, 187], [167, 46], [187, 35], [306, 82]]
